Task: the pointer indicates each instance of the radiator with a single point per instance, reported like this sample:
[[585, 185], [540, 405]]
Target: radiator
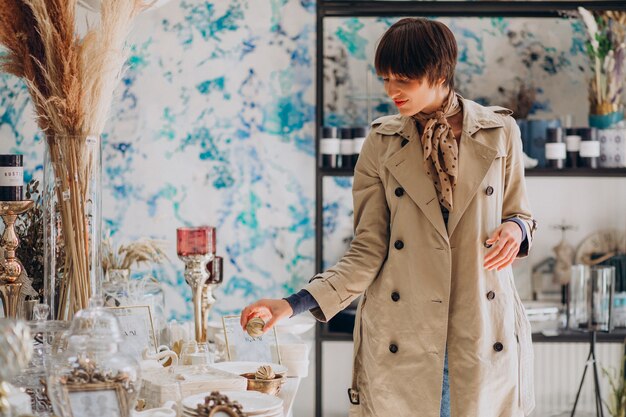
[[558, 370]]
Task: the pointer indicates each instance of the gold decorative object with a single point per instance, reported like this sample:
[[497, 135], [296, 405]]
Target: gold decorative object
[[217, 403], [265, 372], [266, 386], [10, 269], [255, 327]]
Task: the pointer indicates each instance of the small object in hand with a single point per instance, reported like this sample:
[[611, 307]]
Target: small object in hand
[[265, 372], [255, 327]]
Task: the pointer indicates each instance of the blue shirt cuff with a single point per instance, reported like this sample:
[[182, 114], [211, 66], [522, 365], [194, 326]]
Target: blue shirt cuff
[[301, 301], [524, 243]]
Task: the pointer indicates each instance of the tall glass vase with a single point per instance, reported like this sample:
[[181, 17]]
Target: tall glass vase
[[73, 219]]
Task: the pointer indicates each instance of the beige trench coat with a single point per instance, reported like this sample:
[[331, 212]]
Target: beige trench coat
[[425, 287]]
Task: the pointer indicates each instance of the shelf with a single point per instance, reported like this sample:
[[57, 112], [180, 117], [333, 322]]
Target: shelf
[[535, 172], [336, 172], [480, 8], [576, 172]]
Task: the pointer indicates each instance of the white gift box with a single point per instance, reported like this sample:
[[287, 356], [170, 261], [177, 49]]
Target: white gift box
[[160, 386], [612, 148]]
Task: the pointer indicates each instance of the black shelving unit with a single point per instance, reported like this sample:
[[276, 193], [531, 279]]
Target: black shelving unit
[[534, 172], [400, 8]]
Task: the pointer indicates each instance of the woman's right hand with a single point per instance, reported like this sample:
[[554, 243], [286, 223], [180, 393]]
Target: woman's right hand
[[271, 311]]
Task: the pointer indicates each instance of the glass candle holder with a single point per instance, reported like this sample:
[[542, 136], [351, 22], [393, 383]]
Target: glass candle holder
[[591, 292], [602, 290], [195, 241], [578, 315]]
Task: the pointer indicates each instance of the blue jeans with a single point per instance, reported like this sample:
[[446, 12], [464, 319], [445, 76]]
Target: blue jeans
[[445, 390]]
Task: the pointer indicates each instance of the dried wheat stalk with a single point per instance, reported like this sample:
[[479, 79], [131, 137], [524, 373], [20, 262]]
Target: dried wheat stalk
[[133, 254], [71, 82]]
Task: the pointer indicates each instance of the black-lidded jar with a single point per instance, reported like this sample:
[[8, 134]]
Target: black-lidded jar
[[347, 147], [572, 144], [11, 177], [330, 147], [555, 148], [359, 134], [589, 147]]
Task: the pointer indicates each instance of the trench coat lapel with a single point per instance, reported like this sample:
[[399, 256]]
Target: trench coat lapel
[[475, 158], [476, 155], [407, 167]]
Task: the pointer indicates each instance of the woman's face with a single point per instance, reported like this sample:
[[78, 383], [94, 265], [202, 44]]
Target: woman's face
[[413, 96]]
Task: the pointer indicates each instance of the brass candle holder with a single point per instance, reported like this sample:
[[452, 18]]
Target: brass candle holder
[[10, 268]]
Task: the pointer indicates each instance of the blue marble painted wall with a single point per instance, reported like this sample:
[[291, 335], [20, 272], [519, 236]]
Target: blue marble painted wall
[[214, 124]]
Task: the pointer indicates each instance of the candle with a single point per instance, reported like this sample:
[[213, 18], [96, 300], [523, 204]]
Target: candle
[[11, 177], [330, 147], [555, 148], [589, 147], [195, 241]]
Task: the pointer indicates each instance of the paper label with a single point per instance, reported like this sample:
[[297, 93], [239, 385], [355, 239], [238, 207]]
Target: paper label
[[11, 176]]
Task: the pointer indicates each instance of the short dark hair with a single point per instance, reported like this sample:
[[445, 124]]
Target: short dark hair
[[417, 48]]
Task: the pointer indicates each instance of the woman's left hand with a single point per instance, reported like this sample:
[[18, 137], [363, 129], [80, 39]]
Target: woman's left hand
[[507, 238]]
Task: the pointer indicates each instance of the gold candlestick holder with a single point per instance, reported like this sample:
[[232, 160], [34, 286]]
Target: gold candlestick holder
[[10, 268]]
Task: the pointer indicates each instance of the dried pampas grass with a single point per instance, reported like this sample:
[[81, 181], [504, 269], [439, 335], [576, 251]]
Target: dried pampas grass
[[71, 81]]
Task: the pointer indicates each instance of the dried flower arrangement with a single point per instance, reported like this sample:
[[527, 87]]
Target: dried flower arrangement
[[133, 254], [606, 47], [71, 82]]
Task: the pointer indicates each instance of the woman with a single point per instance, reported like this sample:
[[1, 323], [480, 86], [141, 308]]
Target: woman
[[440, 214]]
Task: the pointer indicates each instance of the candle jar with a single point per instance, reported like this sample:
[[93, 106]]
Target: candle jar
[[555, 148], [11, 177], [191, 241], [330, 147], [589, 147]]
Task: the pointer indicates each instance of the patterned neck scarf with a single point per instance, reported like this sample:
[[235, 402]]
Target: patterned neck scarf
[[441, 151]]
